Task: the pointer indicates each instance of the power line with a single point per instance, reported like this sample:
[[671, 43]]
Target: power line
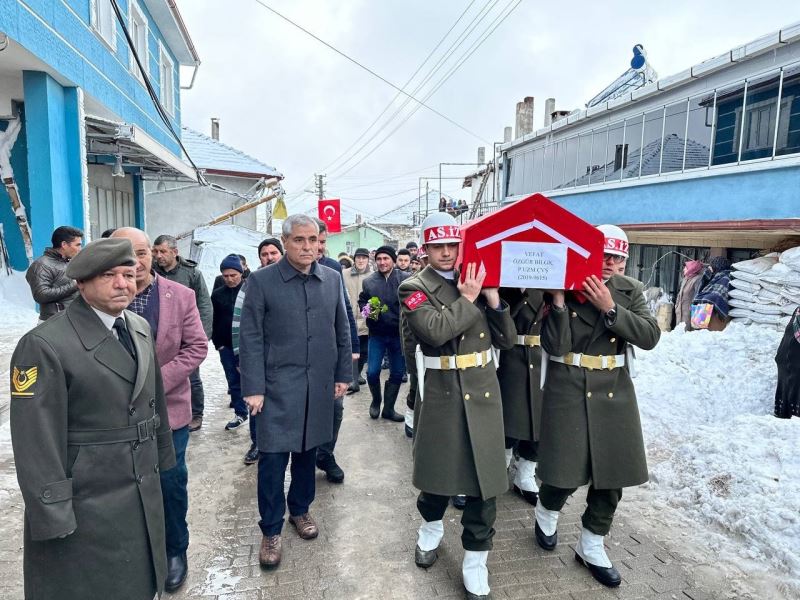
[[368, 70]]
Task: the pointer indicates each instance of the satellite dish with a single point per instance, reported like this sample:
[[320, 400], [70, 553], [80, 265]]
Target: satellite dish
[[639, 59]]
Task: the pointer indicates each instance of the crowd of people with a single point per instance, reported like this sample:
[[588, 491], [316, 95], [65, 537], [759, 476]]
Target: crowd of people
[[106, 390]]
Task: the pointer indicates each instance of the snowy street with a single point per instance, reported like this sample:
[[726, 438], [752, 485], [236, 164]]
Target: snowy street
[[717, 520]]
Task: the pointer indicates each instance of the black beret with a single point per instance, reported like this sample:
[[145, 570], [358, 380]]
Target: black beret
[[100, 256]]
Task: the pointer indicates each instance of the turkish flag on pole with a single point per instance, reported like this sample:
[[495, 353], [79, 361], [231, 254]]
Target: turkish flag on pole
[[330, 214]]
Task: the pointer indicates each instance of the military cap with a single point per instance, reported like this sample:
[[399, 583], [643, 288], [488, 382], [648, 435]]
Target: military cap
[[100, 256]]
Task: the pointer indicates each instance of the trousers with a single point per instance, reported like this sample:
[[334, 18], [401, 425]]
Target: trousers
[[174, 490], [271, 499], [477, 519], [600, 505]]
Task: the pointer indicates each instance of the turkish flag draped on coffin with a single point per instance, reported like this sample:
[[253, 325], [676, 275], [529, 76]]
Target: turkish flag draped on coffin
[[330, 214], [533, 243]]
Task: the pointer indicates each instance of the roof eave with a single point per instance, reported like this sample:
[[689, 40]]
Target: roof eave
[[243, 174]]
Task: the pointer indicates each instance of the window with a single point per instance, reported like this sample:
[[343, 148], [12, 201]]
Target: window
[[137, 26], [651, 142], [790, 144], [730, 102], [633, 147], [584, 159], [674, 137], [167, 74], [761, 117], [104, 21], [570, 164], [616, 152], [698, 131], [599, 155]]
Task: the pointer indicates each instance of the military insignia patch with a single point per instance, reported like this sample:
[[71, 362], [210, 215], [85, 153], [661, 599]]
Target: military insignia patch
[[415, 299], [23, 379]]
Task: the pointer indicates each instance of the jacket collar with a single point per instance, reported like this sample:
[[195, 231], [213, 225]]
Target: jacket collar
[[288, 272], [55, 254], [432, 280]]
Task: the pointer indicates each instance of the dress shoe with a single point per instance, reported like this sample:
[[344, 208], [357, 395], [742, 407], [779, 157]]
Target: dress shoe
[[546, 542], [269, 555], [333, 472], [608, 576], [409, 432], [471, 596], [530, 497], [176, 572], [197, 423], [361, 381], [459, 502], [425, 559], [251, 457], [306, 527]]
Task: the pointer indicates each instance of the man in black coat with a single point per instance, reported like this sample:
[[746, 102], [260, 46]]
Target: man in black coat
[[379, 292], [223, 300], [50, 286], [295, 358]]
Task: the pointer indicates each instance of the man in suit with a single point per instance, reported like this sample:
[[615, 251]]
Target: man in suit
[[181, 346], [295, 358], [90, 434]]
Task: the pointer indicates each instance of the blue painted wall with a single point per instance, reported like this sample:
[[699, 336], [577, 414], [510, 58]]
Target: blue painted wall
[[59, 33], [767, 194], [19, 163]]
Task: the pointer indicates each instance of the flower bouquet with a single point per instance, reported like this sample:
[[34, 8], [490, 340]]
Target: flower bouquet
[[373, 309]]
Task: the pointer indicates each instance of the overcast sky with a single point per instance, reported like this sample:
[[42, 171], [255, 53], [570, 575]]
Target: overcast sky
[[296, 105]]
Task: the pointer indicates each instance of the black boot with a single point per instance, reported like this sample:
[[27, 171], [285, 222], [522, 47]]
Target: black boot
[[354, 387], [390, 392], [176, 572], [375, 407]]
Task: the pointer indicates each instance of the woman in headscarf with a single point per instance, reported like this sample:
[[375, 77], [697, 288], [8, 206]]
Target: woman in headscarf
[[692, 276], [787, 394]]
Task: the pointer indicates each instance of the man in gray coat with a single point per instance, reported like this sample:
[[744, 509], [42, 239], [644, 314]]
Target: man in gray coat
[[90, 434], [295, 358]]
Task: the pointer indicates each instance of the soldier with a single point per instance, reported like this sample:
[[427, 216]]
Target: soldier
[[458, 422], [90, 434], [519, 375], [590, 430]]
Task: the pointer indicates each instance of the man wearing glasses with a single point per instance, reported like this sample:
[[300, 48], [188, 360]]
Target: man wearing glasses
[[590, 429]]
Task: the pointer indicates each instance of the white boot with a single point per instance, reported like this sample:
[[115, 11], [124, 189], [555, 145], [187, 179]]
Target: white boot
[[475, 573], [590, 548], [509, 456], [547, 519], [430, 535], [525, 479]]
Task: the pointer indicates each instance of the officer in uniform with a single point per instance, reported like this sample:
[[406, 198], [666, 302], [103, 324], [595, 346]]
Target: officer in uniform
[[90, 434], [520, 386], [458, 420], [409, 345], [590, 430]]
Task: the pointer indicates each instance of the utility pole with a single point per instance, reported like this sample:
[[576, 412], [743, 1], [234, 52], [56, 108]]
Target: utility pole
[[319, 185]]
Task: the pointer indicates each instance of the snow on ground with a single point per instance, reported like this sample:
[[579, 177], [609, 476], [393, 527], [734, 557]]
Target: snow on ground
[[718, 458]]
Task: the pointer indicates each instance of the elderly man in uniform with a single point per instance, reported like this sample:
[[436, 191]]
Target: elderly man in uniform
[[519, 375], [458, 422], [590, 429], [90, 434]]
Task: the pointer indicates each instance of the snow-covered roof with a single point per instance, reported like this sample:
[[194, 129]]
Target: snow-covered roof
[[382, 232], [757, 47], [218, 158]]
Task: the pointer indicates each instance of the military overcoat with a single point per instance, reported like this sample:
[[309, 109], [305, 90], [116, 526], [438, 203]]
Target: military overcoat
[[520, 367], [458, 427], [71, 383], [590, 418]]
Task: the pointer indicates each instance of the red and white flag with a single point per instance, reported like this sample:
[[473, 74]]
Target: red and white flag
[[330, 214]]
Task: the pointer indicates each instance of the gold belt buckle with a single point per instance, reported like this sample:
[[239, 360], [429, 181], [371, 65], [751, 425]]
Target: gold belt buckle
[[465, 361], [444, 362], [612, 362], [592, 362], [533, 340]]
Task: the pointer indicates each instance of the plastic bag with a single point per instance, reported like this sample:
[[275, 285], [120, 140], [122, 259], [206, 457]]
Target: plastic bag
[[701, 315]]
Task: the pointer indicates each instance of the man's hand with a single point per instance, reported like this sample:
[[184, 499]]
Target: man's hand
[[255, 403], [598, 294], [470, 288], [492, 296], [558, 298], [340, 389], [356, 355]]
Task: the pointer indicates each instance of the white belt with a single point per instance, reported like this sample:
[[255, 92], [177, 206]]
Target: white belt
[[460, 361], [529, 340], [614, 361]]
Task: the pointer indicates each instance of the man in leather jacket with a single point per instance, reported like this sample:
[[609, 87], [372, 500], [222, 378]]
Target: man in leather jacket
[[50, 286]]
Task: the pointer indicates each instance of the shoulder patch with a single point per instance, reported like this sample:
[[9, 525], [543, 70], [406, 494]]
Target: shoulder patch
[[415, 299], [23, 379]]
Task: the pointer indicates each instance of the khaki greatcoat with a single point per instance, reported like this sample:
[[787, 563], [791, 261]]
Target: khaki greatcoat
[[520, 367], [108, 493], [458, 427], [590, 419]]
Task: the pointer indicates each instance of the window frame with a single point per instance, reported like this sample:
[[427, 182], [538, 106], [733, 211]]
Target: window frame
[[167, 100], [96, 22], [135, 12]]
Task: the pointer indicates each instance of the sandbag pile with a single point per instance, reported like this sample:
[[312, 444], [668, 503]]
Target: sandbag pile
[[766, 290]]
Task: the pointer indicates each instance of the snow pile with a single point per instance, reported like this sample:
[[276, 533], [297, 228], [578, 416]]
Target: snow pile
[[766, 290], [715, 451], [212, 244]]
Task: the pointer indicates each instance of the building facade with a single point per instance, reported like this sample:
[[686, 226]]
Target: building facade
[[705, 162], [79, 127]]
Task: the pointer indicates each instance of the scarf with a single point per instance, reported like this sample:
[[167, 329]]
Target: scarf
[[692, 268]]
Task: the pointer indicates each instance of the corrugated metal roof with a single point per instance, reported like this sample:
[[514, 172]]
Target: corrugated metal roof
[[213, 155]]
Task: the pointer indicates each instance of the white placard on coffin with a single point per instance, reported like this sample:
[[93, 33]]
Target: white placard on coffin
[[533, 265]]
